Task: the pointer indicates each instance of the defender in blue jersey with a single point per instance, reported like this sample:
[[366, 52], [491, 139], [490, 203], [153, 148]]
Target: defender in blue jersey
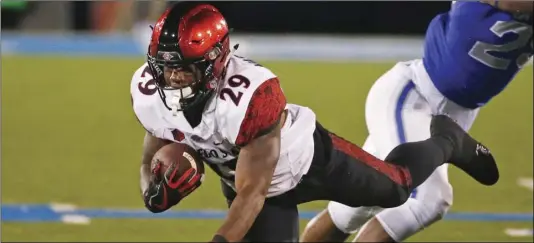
[[471, 53]]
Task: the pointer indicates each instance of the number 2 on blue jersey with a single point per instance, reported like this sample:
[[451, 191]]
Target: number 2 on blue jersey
[[480, 50]]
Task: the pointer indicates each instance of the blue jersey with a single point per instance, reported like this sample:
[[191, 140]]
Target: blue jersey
[[473, 51]]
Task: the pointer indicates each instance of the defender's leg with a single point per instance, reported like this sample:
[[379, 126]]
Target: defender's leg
[[385, 99], [322, 229], [432, 199], [412, 111], [428, 204], [357, 178]]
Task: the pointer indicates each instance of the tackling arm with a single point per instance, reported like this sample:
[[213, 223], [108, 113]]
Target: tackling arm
[[260, 139]]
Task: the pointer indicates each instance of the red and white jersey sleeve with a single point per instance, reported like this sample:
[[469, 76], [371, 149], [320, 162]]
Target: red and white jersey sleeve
[[249, 103]]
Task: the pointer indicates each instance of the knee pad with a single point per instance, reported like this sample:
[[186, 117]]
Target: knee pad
[[428, 212], [348, 219], [435, 196], [403, 221]]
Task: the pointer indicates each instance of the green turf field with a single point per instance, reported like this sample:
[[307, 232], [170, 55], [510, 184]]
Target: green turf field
[[69, 136]]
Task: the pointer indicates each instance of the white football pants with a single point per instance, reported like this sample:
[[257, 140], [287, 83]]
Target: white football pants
[[398, 109]]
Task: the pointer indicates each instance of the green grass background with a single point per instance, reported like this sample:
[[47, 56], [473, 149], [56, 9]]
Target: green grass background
[[69, 135]]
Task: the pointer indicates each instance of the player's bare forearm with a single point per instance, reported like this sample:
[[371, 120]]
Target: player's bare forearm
[[241, 215], [254, 171], [145, 177], [151, 145], [253, 177]]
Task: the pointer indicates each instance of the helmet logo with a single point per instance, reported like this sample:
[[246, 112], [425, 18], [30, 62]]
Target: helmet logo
[[167, 56]]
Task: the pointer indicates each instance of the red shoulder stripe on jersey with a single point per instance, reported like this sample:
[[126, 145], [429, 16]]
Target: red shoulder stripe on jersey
[[263, 112], [399, 174]]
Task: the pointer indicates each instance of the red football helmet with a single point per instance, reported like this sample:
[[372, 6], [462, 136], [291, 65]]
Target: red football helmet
[[189, 34]]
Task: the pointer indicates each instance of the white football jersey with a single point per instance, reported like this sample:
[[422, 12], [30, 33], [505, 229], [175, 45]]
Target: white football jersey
[[226, 123]]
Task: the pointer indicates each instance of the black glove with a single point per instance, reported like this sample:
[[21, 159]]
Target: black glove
[[166, 191]]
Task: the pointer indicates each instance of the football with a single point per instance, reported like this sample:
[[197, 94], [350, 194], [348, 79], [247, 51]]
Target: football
[[184, 156]]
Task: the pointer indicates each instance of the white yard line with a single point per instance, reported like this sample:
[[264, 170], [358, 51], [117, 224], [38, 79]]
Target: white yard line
[[75, 219], [63, 207], [518, 232], [68, 217], [526, 183]]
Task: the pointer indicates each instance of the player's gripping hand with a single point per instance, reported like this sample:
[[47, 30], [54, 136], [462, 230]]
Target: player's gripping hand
[[167, 188]]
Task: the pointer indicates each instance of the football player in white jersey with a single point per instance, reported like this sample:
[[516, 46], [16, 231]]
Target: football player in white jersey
[[471, 53], [270, 155]]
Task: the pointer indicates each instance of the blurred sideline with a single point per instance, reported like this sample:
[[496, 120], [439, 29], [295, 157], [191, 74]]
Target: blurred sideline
[[256, 46], [264, 47]]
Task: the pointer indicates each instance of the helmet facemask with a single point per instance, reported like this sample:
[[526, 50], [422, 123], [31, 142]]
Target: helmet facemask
[[190, 93], [189, 36]]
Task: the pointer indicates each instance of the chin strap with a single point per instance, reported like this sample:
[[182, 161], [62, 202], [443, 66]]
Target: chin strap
[[176, 96], [175, 103]]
